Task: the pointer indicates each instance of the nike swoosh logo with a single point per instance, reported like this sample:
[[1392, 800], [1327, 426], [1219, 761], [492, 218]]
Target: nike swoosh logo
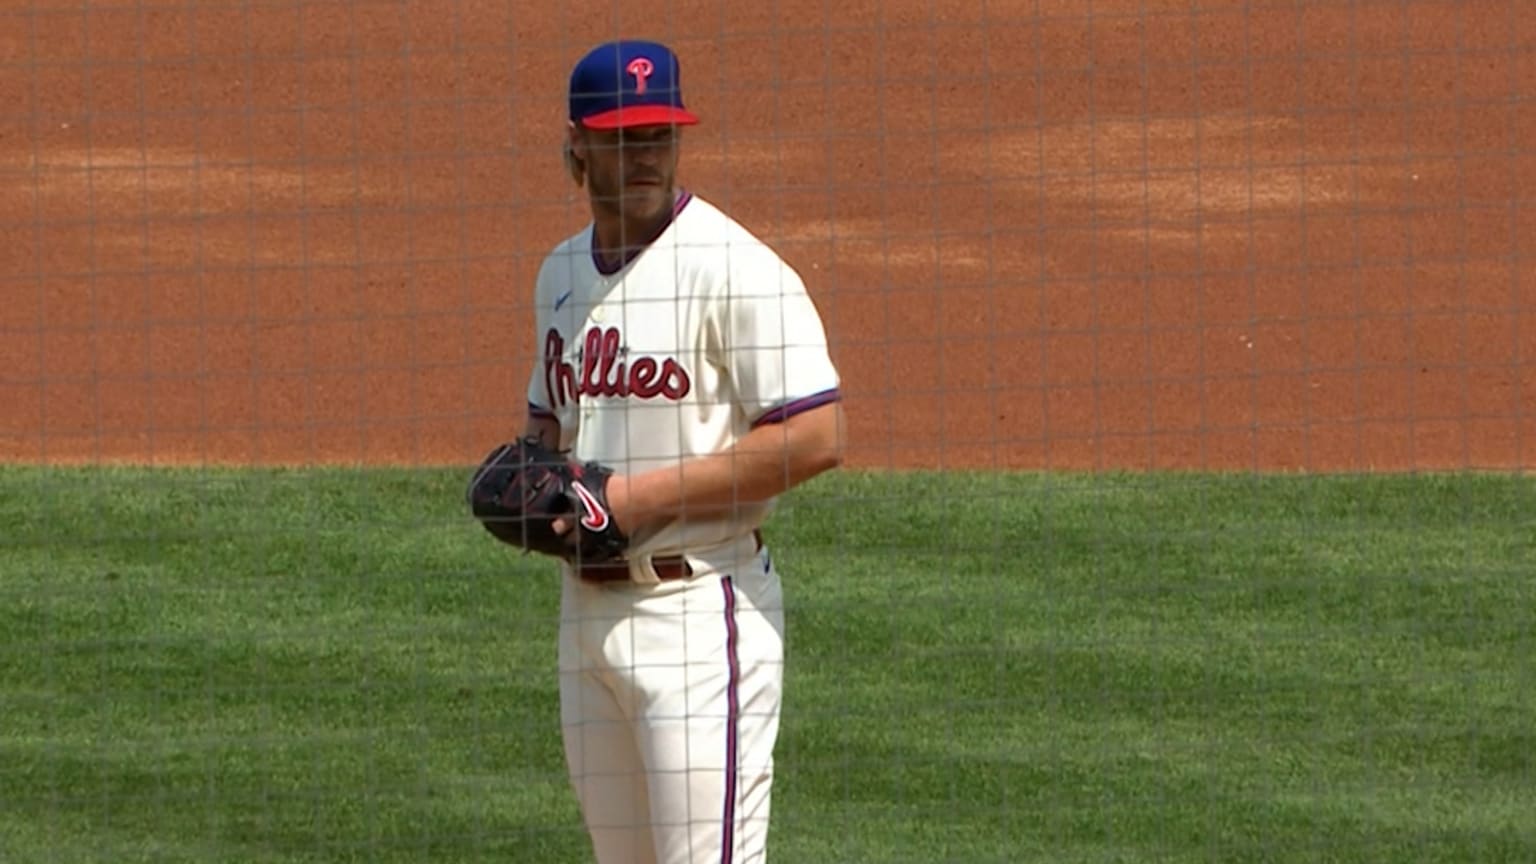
[[560, 301], [595, 518]]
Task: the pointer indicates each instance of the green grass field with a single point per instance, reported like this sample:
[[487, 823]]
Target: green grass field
[[276, 666]]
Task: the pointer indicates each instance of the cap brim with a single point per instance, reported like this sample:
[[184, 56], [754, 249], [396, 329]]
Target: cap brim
[[641, 115]]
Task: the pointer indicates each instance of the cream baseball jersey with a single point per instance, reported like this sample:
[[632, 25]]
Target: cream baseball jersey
[[681, 350]]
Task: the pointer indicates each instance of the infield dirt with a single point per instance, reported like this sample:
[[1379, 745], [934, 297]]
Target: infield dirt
[[1248, 237]]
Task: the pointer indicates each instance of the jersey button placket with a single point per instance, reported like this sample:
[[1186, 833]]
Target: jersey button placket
[[594, 316]]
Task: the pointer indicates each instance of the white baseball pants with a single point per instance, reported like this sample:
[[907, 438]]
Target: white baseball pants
[[669, 703]]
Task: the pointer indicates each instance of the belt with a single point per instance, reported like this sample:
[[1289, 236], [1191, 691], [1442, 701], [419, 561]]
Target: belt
[[668, 568]]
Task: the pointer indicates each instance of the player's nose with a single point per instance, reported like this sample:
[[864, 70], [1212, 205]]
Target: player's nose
[[643, 156], [642, 171]]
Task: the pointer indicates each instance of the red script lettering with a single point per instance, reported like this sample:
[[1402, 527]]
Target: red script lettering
[[605, 372]]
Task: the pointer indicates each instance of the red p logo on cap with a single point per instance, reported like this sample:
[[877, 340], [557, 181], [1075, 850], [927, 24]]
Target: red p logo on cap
[[642, 69]]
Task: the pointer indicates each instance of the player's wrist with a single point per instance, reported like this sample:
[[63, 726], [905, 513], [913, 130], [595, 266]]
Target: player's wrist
[[645, 497]]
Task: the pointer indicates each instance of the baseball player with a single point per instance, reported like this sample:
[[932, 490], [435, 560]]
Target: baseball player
[[680, 349]]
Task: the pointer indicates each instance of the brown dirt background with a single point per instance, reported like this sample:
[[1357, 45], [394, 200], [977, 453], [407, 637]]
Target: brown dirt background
[[1216, 234]]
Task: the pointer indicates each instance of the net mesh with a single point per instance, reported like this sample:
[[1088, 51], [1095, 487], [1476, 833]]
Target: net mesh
[[276, 260]]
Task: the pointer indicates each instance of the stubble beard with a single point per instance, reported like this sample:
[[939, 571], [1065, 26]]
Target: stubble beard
[[636, 210]]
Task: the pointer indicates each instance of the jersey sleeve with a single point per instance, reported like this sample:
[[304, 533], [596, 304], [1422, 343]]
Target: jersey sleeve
[[538, 395], [777, 353]]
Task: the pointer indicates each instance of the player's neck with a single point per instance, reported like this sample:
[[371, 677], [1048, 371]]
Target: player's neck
[[615, 238]]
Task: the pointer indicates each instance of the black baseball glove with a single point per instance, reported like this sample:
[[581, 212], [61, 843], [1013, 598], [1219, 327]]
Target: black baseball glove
[[523, 486]]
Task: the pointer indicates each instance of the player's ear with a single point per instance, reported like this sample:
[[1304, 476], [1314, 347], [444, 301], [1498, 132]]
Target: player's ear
[[574, 166], [575, 163]]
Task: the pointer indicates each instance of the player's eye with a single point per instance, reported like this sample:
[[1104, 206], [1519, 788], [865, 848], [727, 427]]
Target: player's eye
[[659, 136]]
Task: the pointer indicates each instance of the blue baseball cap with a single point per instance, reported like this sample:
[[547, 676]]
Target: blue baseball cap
[[628, 83]]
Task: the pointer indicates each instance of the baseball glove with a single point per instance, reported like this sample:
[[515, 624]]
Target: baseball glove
[[523, 486]]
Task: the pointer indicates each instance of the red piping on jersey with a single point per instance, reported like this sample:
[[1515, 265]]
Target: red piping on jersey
[[683, 197], [797, 406], [732, 721]]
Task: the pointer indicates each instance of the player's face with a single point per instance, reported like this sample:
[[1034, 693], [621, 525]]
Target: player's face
[[631, 172]]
